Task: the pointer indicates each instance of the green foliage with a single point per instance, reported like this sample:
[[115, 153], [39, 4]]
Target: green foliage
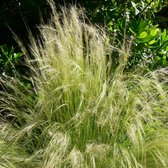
[[84, 115], [9, 59], [119, 12], [136, 19], [11, 64], [149, 45]]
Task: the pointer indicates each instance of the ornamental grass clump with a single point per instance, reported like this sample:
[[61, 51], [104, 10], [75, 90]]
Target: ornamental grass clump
[[80, 112]]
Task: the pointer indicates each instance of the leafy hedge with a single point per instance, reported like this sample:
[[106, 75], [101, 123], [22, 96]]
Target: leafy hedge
[[136, 19]]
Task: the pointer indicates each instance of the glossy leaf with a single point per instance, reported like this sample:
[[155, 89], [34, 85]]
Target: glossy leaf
[[152, 42], [142, 35]]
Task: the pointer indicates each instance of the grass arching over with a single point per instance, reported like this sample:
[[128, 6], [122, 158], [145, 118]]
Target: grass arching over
[[83, 115]]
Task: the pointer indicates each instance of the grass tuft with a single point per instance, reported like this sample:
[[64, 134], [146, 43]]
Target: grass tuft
[[78, 112]]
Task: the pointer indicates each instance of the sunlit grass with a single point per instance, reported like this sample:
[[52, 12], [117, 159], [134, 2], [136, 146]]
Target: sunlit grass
[[79, 113]]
